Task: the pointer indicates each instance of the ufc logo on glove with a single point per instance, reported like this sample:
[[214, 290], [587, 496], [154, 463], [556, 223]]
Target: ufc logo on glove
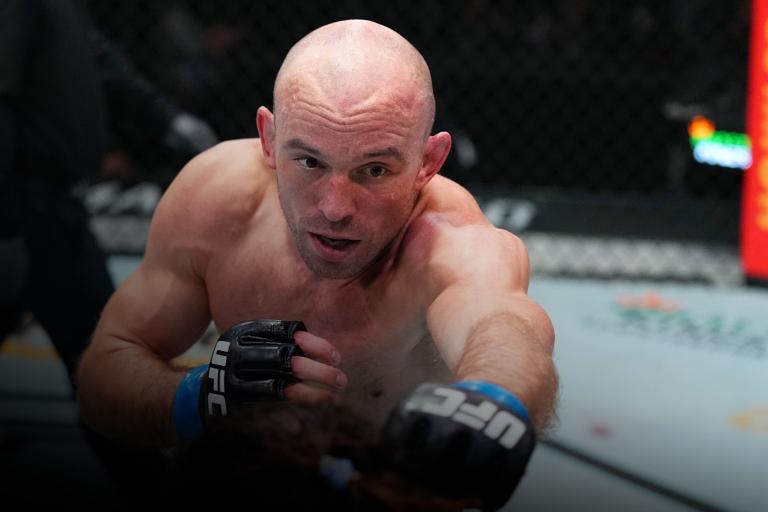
[[485, 416], [250, 363], [467, 438], [217, 376]]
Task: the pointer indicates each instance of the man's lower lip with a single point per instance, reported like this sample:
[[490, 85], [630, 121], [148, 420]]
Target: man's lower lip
[[330, 253]]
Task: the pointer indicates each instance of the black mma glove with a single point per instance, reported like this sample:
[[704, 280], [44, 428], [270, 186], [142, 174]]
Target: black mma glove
[[470, 439], [250, 363]]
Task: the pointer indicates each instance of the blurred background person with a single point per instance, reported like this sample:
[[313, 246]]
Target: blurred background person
[[58, 74]]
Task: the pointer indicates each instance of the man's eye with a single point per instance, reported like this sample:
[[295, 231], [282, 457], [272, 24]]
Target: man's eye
[[375, 171], [308, 162]]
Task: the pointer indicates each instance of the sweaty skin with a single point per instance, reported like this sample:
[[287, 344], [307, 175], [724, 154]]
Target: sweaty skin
[[426, 289]]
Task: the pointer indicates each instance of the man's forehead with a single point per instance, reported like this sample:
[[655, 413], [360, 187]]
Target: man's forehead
[[349, 98], [307, 111]]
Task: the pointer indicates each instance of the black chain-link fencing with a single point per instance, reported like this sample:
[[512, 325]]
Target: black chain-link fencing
[[570, 118]]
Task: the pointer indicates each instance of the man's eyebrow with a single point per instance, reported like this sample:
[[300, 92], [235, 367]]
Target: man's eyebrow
[[390, 151], [303, 146]]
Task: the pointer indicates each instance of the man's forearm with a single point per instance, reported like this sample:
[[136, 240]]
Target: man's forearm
[[126, 392], [508, 350]]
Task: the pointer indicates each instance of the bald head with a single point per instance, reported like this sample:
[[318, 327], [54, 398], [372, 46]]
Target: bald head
[[349, 142], [352, 64]]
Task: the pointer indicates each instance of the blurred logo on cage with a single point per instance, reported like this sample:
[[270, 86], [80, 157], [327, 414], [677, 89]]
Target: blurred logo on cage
[[653, 317], [116, 198], [650, 301], [514, 215], [753, 420]]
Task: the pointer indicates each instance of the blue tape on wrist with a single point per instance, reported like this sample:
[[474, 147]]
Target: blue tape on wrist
[[337, 472], [497, 393], [186, 415]]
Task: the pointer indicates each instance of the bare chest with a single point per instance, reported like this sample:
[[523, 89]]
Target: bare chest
[[380, 330]]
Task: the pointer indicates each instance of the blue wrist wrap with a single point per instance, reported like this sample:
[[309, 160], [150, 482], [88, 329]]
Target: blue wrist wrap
[[186, 414], [497, 393], [337, 472]]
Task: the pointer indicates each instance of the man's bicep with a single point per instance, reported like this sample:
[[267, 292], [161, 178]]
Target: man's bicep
[[157, 308], [163, 305]]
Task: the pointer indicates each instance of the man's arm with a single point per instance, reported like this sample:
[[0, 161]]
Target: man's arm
[[126, 384], [484, 324], [473, 438]]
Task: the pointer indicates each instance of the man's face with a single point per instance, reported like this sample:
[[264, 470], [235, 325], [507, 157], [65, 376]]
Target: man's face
[[347, 183]]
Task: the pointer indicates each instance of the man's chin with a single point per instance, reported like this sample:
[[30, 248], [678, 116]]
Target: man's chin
[[334, 271]]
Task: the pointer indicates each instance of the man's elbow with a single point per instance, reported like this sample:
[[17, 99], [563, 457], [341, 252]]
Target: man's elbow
[[528, 317], [534, 324], [86, 385], [93, 374]]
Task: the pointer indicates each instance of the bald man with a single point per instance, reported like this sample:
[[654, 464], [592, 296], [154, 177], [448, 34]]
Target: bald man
[[389, 289]]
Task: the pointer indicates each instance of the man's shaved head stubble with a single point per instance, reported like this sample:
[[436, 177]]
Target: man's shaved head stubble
[[353, 64]]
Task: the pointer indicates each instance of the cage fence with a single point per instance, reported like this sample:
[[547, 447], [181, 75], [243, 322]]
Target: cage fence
[[605, 134]]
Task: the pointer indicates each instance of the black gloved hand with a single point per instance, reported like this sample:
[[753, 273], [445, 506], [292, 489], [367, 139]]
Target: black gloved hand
[[468, 439], [250, 363]]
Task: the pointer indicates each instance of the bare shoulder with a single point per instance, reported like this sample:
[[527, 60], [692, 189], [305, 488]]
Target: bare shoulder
[[450, 240], [222, 177], [220, 187], [451, 202]]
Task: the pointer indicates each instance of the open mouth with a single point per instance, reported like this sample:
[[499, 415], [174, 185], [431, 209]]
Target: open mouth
[[338, 244]]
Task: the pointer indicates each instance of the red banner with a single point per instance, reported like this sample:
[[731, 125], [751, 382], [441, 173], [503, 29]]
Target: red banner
[[754, 214]]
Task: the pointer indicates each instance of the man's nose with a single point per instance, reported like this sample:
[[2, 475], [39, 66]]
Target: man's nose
[[337, 202]]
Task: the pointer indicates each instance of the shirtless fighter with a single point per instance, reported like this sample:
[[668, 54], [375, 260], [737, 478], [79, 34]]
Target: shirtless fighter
[[395, 295]]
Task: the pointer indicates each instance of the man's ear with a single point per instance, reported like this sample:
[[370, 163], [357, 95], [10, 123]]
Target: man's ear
[[265, 123], [436, 151]]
